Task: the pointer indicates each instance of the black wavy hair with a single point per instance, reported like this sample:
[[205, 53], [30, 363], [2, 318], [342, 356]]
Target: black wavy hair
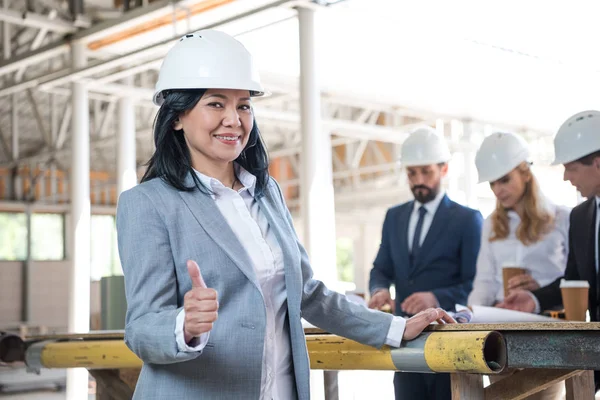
[[172, 161]]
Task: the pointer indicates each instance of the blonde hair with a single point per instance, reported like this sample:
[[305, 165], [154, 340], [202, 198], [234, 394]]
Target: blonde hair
[[535, 221]]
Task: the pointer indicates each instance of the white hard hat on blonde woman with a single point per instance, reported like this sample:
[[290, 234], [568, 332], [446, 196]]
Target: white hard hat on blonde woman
[[500, 153]]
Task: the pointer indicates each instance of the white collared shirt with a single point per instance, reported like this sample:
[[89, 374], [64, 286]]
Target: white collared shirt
[[431, 208], [546, 259], [251, 227]]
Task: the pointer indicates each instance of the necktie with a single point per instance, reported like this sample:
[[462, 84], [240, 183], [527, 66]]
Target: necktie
[[416, 243]]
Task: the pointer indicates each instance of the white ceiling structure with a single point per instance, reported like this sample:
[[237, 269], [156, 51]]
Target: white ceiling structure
[[384, 66]]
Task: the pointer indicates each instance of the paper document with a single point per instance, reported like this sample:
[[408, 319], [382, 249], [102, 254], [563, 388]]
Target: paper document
[[488, 315]]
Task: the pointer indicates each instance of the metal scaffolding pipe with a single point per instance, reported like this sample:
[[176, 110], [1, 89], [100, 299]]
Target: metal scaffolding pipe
[[475, 352], [37, 21], [98, 31]]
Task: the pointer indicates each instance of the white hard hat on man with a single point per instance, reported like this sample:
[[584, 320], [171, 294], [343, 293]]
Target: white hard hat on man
[[208, 59], [578, 137], [424, 146]]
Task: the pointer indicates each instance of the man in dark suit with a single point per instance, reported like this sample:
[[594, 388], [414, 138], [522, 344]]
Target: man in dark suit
[[577, 147], [428, 251]]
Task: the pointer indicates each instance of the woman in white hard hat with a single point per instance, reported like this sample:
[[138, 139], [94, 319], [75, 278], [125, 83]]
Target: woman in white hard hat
[[525, 230], [216, 279]]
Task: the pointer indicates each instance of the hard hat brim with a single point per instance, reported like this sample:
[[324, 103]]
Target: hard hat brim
[[158, 98]]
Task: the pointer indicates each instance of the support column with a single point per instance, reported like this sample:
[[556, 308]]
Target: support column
[[366, 246], [126, 165], [16, 186], [470, 170], [316, 188], [318, 210], [79, 284]]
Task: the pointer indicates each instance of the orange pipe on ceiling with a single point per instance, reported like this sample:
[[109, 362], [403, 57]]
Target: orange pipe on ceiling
[[157, 23]]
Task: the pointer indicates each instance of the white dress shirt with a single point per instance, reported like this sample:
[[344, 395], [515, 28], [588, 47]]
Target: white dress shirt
[[251, 227], [431, 208], [546, 259]]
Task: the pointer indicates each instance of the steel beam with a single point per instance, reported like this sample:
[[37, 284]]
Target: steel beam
[[133, 17], [38, 118], [37, 21]]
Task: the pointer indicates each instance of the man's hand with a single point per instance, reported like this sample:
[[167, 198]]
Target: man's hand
[[417, 302], [200, 305], [380, 299], [416, 324], [518, 301], [522, 282]]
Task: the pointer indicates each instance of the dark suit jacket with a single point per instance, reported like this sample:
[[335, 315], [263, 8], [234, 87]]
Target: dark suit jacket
[[446, 262], [581, 264]]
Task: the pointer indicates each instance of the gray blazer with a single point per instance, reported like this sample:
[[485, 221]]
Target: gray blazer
[[159, 229]]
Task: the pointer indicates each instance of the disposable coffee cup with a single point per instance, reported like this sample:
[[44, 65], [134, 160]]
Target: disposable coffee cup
[[508, 271], [575, 299]]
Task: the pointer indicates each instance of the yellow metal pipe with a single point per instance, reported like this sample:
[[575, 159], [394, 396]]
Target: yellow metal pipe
[[100, 354], [478, 352], [337, 353]]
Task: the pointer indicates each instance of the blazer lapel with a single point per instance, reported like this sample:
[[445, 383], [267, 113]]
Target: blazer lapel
[[209, 216], [438, 224], [589, 269]]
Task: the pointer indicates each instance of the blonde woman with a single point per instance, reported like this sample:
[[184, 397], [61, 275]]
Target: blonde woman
[[525, 229]]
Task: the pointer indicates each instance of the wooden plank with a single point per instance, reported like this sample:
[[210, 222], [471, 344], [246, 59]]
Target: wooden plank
[[467, 387], [110, 385], [522, 326], [526, 382], [130, 376], [581, 387]]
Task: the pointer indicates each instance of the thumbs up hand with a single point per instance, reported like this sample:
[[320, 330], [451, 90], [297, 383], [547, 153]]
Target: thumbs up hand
[[200, 305]]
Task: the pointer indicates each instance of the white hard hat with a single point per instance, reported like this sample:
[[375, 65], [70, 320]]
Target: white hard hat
[[208, 59], [577, 137], [499, 154], [424, 147]]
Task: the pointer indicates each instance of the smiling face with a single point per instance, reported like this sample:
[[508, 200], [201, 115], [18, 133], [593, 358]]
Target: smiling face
[[217, 129]]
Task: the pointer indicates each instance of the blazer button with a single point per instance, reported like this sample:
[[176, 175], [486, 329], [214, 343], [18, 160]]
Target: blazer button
[[411, 282]]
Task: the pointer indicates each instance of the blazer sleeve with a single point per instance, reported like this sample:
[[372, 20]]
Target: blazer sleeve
[[382, 274], [471, 241], [550, 296], [332, 311], [485, 286], [150, 281]]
